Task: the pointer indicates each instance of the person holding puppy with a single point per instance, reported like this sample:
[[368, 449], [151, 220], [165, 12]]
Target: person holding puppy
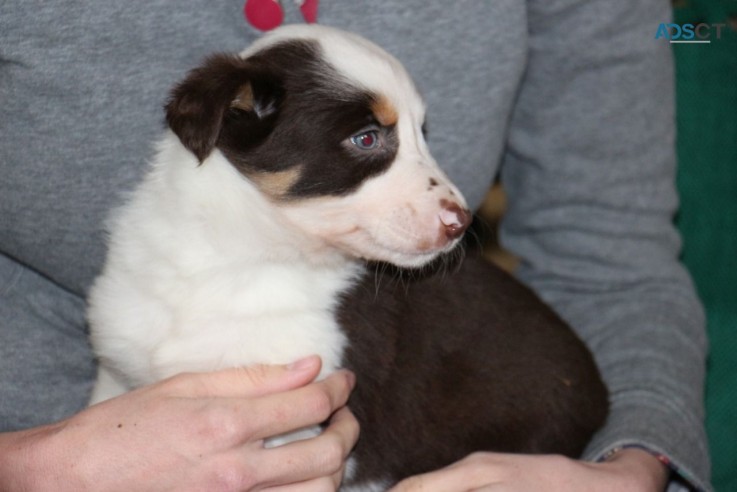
[[570, 101]]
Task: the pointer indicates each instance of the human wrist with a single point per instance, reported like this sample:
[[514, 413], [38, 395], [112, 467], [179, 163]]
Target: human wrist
[[24, 459], [645, 470]]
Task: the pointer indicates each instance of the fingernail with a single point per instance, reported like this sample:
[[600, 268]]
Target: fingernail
[[304, 363]]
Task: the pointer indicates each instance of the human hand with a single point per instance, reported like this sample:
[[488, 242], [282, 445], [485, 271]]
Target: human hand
[[194, 432], [630, 469]]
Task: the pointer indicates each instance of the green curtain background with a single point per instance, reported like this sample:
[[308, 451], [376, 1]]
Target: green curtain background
[[706, 81]]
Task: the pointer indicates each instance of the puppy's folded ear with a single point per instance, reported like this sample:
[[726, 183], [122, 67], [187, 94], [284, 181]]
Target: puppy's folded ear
[[199, 104]]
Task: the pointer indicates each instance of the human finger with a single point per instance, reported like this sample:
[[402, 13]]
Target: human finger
[[311, 459], [244, 382], [470, 473], [441, 480], [309, 405]]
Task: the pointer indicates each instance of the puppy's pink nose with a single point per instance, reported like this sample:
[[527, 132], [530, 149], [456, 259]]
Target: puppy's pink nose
[[454, 218]]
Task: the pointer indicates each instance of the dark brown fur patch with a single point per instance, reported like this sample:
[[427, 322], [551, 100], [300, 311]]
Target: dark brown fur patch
[[281, 108], [198, 106], [463, 362]]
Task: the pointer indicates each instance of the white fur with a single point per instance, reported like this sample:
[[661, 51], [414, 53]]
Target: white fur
[[378, 486], [202, 274], [350, 473]]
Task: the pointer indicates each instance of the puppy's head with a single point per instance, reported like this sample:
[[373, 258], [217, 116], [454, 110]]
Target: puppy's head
[[329, 128]]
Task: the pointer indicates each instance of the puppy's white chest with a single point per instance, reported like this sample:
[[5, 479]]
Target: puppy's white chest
[[150, 326], [259, 314]]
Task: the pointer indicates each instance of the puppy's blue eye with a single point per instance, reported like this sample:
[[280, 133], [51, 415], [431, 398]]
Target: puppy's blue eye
[[366, 140]]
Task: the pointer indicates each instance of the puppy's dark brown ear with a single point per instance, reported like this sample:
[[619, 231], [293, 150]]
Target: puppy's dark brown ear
[[198, 105]]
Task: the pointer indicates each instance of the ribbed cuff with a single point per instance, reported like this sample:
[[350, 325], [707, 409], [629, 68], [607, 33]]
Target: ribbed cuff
[[646, 426]]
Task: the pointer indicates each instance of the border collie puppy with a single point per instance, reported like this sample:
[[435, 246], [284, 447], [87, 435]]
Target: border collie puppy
[[287, 170]]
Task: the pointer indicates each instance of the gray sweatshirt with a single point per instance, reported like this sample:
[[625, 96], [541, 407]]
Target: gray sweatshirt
[[571, 102]]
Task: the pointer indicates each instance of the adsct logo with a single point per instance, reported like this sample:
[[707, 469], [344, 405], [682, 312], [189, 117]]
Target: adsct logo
[[689, 33]]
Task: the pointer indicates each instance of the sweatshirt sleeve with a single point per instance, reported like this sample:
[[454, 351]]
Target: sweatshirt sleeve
[[590, 175], [46, 366]]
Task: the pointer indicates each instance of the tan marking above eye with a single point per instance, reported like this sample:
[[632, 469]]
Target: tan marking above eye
[[384, 111]]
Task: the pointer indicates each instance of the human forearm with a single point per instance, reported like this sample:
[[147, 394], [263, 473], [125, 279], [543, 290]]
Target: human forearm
[[18, 451], [28, 462]]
